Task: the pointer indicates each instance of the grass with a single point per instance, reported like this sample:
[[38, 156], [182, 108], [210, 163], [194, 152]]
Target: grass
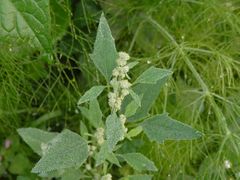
[[197, 40]]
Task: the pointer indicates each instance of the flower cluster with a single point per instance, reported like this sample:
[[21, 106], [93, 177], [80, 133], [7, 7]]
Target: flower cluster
[[123, 120], [107, 177], [99, 135], [91, 149], [119, 82]]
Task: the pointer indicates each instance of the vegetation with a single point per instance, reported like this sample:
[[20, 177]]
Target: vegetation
[[46, 67]]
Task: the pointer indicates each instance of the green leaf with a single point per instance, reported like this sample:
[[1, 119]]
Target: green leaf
[[26, 20], [131, 109], [102, 155], [139, 162], [91, 94], [161, 127], [114, 131], [132, 64], [105, 54], [83, 130], [20, 164], [152, 75], [134, 132], [113, 159], [36, 138], [135, 97], [93, 114], [137, 177], [148, 94], [66, 150]]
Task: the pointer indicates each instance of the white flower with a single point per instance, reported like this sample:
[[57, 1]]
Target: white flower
[[121, 62], [118, 104], [122, 118], [124, 84], [125, 92], [115, 72], [124, 56], [125, 69], [88, 167], [107, 177], [227, 164], [99, 135]]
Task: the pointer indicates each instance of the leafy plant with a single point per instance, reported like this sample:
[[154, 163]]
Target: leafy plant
[[99, 148]]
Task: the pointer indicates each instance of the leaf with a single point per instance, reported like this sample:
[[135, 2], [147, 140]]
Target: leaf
[[91, 94], [26, 20], [83, 130], [105, 54], [135, 97], [134, 132], [114, 131], [161, 127], [35, 138], [137, 177], [66, 150], [148, 94], [113, 159], [93, 114], [139, 162], [20, 164], [132, 64], [102, 155], [131, 109], [152, 75]]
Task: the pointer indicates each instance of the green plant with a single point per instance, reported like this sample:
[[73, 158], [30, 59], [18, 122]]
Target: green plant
[[100, 146]]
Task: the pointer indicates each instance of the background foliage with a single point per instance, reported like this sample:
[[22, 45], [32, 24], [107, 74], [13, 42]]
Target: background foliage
[[45, 67]]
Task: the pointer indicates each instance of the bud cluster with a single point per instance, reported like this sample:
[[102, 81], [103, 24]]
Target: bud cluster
[[99, 135], [119, 82]]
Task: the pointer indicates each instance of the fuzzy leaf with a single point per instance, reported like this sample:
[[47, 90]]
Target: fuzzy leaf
[[161, 127], [152, 75], [102, 155], [114, 131], [35, 138], [91, 94], [139, 162], [105, 54], [93, 114], [148, 94], [135, 97], [66, 150], [26, 20]]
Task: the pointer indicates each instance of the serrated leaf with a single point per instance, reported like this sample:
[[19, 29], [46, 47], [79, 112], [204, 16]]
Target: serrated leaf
[[91, 94], [138, 177], [114, 131], [93, 114], [35, 138], [135, 97], [26, 19], [105, 54], [66, 150], [139, 162], [161, 127], [152, 75]]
